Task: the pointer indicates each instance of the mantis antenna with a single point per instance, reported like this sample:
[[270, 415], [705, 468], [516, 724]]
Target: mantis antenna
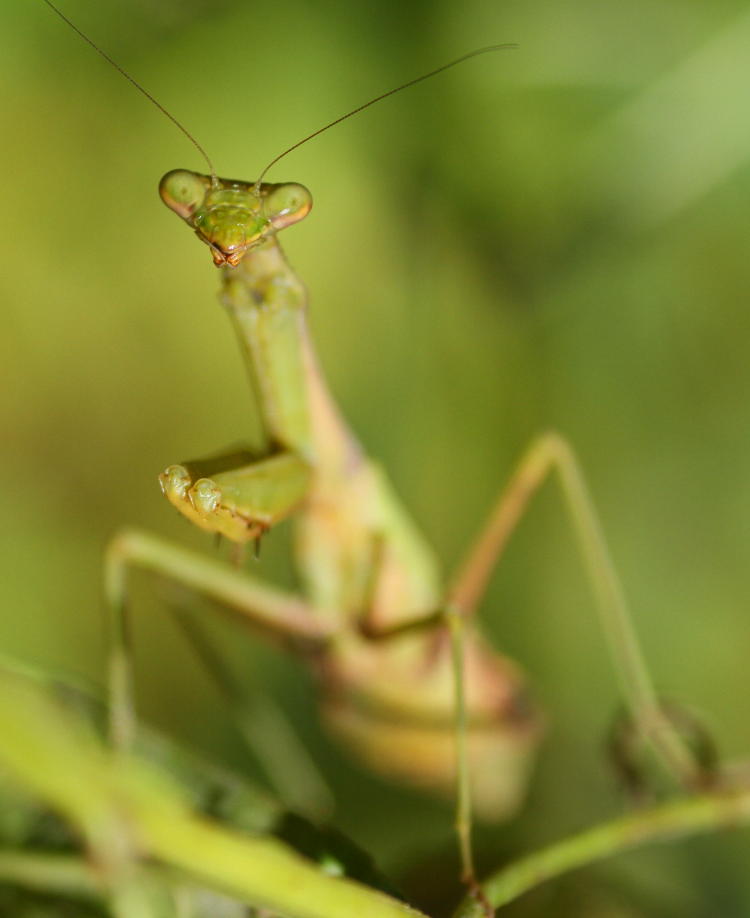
[[134, 82], [425, 76], [355, 111]]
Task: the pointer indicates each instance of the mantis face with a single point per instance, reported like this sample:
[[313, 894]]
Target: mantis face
[[232, 217]]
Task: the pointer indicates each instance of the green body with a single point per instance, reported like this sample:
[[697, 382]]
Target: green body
[[367, 572]]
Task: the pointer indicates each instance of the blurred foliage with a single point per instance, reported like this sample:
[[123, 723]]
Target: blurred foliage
[[554, 236], [53, 747]]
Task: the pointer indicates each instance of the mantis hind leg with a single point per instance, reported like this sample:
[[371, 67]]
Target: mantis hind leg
[[279, 614], [547, 454]]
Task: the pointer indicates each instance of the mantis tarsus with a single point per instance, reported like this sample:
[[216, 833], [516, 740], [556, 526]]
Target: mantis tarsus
[[391, 644]]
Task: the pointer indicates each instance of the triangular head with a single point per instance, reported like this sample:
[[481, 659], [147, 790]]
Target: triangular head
[[232, 217]]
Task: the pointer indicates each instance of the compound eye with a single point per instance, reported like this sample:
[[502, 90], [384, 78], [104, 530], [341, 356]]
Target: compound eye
[[183, 191], [288, 204]]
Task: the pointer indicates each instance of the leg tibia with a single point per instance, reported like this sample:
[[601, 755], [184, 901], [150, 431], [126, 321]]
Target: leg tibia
[[276, 612], [549, 453]]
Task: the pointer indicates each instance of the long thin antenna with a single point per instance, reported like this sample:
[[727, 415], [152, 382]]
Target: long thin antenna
[[359, 108], [138, 86]]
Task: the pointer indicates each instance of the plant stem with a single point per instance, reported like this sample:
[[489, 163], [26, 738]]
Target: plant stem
[[50, 873], [702, 813], [128, 810]]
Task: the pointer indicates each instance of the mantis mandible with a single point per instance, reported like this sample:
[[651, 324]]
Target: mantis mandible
[[406, 679]]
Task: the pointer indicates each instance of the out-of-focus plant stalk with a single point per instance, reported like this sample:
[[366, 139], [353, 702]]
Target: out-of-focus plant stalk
[[707, 812]]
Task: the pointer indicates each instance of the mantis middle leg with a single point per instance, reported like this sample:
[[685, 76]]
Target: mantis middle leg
[[275, 612]]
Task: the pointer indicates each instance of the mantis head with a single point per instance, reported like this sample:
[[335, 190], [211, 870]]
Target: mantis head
[[233, 217]]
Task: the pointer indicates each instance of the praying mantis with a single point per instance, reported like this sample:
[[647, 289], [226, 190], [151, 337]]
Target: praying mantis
[[384, 546]]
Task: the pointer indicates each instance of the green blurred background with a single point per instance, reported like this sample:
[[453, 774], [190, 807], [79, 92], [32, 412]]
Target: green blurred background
[[555, 236]]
